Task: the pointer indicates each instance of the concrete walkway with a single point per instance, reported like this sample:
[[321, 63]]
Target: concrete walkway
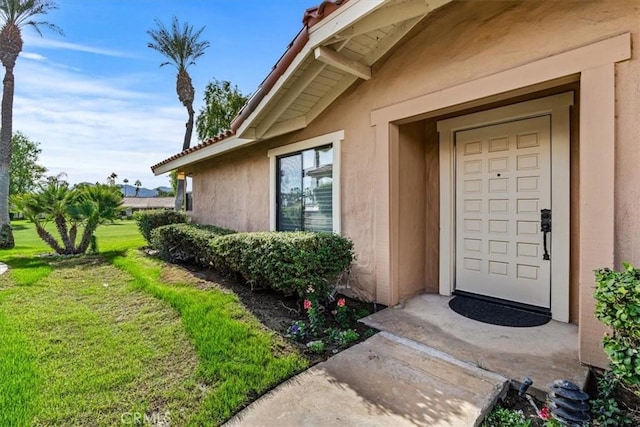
[[384, 381], [428, 367], [544, 353]]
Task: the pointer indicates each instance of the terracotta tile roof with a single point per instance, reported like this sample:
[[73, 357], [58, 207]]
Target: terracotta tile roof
[[313, 15], [210, 141], [310, 18]]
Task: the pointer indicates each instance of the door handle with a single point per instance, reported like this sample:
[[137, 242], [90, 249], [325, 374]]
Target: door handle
[[545, 227]]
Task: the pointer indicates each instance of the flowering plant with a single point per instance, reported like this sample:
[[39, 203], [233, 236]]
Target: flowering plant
[[545, 413], [343, 338], [344, 314], [297, 331], [313, 311]]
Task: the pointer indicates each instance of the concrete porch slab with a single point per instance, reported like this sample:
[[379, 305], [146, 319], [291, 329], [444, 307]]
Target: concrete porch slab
[[383, 381], [544, 353]]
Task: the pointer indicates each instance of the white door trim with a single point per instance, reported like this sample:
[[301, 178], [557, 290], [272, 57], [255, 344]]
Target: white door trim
[[558, 107]]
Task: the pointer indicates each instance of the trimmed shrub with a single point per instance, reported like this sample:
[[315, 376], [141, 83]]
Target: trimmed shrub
[[290, 262], [150, 220], [618, 306], [185, 242]]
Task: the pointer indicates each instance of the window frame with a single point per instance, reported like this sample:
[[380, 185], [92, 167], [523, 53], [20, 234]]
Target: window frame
[[335, 139]]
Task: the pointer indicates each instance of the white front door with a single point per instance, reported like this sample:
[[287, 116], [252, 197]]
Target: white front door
[[503, 180]]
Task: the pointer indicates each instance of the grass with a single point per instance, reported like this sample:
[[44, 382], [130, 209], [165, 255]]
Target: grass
[[103, 340], [27, 268], [118, 235]]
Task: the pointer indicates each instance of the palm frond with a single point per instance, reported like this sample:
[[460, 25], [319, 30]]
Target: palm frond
[[181, 44], [21, 12]]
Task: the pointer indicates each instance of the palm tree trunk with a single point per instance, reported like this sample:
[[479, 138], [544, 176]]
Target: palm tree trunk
[[61, 225], [188, 128], [73, 232], [181, 190], [89, 229], [49, 239], [6, 129]]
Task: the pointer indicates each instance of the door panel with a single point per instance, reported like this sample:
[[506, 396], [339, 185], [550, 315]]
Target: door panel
[[503, 179]]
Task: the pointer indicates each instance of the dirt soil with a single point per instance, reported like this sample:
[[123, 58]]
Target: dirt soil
[[276, 311]]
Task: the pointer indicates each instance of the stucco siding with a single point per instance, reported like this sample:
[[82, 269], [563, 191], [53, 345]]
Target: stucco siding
[[463, 41], [628, 155], [233, 191]]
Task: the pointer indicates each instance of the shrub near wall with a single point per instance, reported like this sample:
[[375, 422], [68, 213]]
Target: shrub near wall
[[618, 306], [290, 262], [152, 219], [185, 242]]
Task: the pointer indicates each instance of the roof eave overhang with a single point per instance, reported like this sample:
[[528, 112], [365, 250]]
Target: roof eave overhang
[[205, 153], [338, 21], [347, 19]]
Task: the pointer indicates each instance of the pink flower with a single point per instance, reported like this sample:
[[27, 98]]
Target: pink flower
[[307, 304], [341, 302], [545, 413]]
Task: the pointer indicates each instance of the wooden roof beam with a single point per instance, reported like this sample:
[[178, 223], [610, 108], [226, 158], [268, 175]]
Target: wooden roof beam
[[341, 62], [274, 113]]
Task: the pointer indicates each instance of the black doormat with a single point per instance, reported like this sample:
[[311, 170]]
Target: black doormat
[[496, 313]]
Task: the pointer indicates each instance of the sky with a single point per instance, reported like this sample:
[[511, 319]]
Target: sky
[[96, 98]]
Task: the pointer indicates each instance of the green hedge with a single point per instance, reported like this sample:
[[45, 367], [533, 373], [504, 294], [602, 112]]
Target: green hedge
[[152, 219], [618, 306], [290, 262], [185, 242]]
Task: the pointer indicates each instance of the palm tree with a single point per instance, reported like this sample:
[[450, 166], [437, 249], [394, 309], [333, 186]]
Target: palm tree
[[126, 181], [181, 45], [14, 15], [111, 179], [137, 184], [73, 210]]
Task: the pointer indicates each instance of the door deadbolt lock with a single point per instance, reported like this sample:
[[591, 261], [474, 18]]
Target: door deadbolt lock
[[545, 227], [545, 220]]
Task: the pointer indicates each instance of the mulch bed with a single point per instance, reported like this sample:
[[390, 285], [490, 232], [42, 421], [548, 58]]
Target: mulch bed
[[278, 312]]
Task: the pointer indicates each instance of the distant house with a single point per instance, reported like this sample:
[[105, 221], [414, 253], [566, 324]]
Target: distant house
[[436, 135], [133, 204]]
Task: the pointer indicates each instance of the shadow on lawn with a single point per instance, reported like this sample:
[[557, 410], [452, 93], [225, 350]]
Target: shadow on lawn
[[62, 261], [21, 262], [109, 256], [84, 261]]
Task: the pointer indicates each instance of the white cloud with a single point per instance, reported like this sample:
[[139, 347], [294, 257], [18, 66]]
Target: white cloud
[[33, 56], [90, 126], [46, 43]]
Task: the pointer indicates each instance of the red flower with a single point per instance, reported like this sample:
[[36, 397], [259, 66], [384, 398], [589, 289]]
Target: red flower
[[545, 413], [307, 304], [341, 302]]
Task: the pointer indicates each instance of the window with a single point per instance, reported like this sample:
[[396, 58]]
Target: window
[[305, 185]]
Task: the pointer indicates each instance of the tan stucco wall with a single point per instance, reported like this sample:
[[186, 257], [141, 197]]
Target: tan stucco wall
[[411, 209], [463, 41], [233, 191]]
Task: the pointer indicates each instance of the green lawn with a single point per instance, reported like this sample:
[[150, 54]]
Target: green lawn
[[105, 340]]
